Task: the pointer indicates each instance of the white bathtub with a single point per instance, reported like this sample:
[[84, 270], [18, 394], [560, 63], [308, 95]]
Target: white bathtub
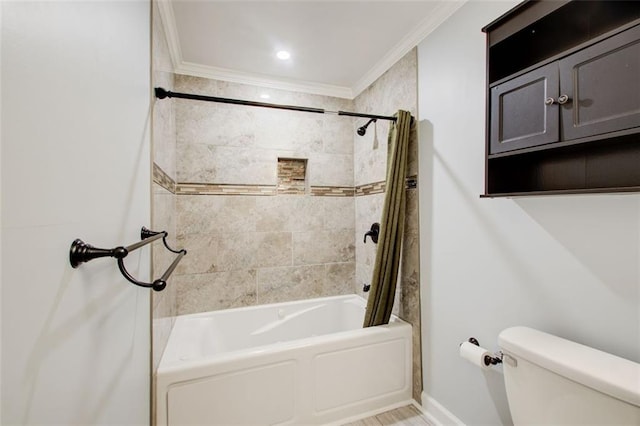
[[307, 362]]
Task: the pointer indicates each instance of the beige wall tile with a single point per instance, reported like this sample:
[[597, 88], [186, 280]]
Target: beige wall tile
[[410, 286], [203, 163], [337, 135], [412, 155], [330, 169], [202, 254], [163, 218], [292, 213], [370, 160], [238, 251], [197, 85], [368, 209], [396, 89], [339, 213], [411, 220], [290, 283], [409, 302], [219, 290], [163, 111], [323, 247], [273, 249], [219, 143], [289, 130], [164, 127], [211, 214], [274, 213], [192, 121], [215, 124], [338, 279], [234, 251]]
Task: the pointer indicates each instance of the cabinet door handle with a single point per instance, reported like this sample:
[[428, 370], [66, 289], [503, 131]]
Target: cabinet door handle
[[549, 101], [563, 99]]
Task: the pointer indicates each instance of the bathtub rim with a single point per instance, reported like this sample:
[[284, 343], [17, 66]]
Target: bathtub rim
[[354, 296], [177, 366]]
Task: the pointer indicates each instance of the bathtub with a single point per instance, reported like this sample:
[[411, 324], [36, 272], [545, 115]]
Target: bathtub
[[306, 362]]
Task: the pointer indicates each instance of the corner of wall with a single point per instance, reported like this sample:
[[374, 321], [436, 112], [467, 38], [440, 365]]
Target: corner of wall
[[437, 414], [1, 6], [163, 201]]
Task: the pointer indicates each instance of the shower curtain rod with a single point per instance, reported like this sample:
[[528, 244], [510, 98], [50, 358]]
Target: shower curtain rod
[[162, 93]]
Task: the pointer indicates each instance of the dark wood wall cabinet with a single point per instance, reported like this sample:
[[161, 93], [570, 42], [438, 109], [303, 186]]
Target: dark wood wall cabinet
[[563, 98]]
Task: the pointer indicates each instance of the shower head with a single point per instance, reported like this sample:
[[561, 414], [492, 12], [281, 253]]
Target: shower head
[[362, 130]]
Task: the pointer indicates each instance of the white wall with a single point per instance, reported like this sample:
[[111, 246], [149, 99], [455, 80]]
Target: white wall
[[0, 213], [568, 265], [75, 164]]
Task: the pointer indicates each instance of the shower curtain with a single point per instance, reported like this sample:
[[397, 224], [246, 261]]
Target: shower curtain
[[385, 269]]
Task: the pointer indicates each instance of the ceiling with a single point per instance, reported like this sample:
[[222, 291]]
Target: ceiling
[[338, 48]]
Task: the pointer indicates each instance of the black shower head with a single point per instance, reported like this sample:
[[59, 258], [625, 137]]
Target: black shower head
[[362, 130]]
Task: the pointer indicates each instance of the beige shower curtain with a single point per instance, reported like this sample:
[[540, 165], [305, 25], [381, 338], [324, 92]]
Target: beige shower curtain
[[385, 270]]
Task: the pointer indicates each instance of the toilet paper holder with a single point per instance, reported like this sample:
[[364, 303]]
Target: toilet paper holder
[[488, 360]]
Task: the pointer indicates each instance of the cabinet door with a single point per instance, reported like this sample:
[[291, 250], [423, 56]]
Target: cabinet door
[[521, 116], [602, 84]]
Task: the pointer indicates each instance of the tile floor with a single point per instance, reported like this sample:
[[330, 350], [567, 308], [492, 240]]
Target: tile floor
[[403, 416]]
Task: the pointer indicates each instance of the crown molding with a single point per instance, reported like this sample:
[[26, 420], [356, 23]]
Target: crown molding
[[440, 14], [171, 31], [233, 76], [422, 30], [180, 66]]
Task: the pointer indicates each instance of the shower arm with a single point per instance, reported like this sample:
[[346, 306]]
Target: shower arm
[[363, 130]]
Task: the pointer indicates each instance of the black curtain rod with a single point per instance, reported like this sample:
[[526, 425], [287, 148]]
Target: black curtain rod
[[162, 93]]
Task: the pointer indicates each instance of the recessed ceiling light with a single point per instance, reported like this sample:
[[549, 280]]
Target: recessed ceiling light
[[265, 96], [283, 54]]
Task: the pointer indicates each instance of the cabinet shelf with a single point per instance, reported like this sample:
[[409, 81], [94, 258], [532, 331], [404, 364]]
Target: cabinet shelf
[[563, 99], [626, 189], [567, 52], [599, 166], [537, 30]]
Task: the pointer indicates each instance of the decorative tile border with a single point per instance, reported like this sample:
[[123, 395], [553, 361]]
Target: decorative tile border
[[224, 189], [163, 179], [293, 190], [332, 191], [370, 188], [411, 182]]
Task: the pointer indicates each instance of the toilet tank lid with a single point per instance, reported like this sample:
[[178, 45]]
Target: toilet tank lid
[[604, 372]]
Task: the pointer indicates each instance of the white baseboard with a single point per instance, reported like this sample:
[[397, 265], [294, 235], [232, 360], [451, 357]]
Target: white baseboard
[[436, 413]]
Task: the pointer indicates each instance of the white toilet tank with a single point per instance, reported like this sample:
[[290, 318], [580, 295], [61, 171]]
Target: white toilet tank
[[553, 381]]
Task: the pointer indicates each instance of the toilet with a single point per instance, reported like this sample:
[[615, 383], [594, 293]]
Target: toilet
[[553, 381]]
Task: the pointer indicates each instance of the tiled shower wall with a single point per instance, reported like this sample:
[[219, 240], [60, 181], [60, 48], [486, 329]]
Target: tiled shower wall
[[163, 192], [215, 192], [249, 243], [394, 90]]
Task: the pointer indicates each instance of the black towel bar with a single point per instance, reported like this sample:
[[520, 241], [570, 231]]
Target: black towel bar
[[81, 252]]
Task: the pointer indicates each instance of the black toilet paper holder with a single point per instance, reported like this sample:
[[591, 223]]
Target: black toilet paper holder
[[488, 359]]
